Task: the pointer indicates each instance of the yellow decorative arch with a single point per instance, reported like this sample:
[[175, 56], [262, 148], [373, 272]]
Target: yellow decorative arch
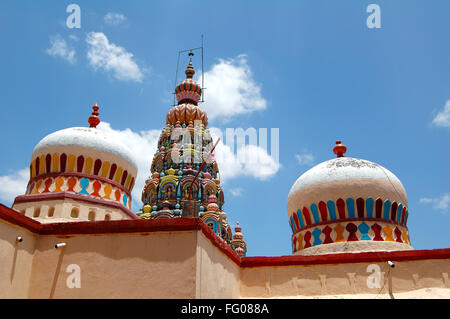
[[71, 163], [88, 165], [127, 182], [118, 175], [105, 168], [55, 163], [42, 165], [33, 168]]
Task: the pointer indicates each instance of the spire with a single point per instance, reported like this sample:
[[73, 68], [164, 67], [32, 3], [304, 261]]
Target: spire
[[188, 91], [339, 149], [238, 244], [94, 120], [190, 69]]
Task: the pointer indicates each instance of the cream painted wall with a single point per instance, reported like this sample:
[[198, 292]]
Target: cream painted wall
[[182, 264], [63, 209], [15, 260], [320, 280], [217, 276], [151, 265]]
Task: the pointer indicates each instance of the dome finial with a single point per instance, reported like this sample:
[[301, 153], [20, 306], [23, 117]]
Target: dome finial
[[190, 69], [94, 120], [339, 149]]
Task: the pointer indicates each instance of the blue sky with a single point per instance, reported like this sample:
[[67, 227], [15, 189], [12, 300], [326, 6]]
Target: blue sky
[[313, 69]]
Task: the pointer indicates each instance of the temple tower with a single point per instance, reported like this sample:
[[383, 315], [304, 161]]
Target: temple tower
[[184, 178]]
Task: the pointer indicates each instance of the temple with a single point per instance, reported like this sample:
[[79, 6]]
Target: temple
[[184, 174], [73, 234]]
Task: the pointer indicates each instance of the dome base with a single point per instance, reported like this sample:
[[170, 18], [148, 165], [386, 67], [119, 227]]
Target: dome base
[[353, 247]]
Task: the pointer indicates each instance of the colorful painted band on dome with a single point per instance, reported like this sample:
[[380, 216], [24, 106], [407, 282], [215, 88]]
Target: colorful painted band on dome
[[188, 86], [63, 163], [351, 231], [341, 210], [188, 91], [79, 183]]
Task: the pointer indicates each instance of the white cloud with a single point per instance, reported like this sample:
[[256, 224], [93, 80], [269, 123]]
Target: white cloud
[[231, 89], [439, 203], [14, 185], [236, 191], [249, 160], [73, 37], [143, 145], [112, 18], [305, 158], [443, 117], [59, 48], [105, 55]]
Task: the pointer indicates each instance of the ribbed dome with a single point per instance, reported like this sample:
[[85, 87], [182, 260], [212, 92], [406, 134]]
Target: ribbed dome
[[350, 204]]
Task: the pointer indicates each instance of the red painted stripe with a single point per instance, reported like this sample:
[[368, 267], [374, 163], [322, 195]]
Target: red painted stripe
[[402, 221], [307, 216], [80, 163], [297, 225], [378, 207], [37, 166], [112, 171], [394, 210], [346, 258], [341, 208], [97, 166], [48, 162], [62, 162], [323, 211], [360, 207]]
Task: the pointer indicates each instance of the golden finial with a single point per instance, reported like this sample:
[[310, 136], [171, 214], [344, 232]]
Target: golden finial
[[190, 69]]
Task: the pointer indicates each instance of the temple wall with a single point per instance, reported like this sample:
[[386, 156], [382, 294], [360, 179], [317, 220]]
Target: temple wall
[[183, 258], [60, 211], [15, 260], [152, 265], [341, 279], [217, 275]]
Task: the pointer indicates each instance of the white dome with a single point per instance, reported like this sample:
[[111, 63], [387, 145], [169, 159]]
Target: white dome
[[346, 168], [87, 137], [347, 205]]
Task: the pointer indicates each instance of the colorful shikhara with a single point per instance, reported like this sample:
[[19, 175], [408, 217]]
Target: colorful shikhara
[[184, 178]]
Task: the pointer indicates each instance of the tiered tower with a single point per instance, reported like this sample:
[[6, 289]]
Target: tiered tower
[[184, 178], [238, 244]]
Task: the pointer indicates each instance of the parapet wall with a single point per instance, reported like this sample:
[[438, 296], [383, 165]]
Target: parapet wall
[[183, 258], [344, 274]]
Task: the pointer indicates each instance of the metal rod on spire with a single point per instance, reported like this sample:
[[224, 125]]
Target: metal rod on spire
[[178, 64], [203, 76]]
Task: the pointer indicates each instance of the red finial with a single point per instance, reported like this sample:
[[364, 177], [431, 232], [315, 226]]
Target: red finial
[[339, 149], [94, 119]]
